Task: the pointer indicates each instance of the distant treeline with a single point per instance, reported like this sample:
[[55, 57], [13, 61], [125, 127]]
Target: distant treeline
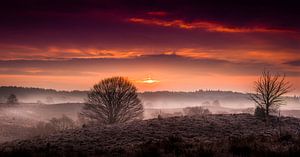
[[41, 95], [150, 99]]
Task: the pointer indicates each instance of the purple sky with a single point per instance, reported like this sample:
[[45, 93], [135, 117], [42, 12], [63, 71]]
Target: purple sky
[[186, 45]]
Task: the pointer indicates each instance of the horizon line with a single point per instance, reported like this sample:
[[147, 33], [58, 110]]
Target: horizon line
[[175, 91]]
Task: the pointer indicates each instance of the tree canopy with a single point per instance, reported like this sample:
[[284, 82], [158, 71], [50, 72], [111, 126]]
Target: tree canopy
[[113, 100]]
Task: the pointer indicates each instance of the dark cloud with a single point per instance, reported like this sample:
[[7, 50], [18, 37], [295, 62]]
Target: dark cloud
[[103, 24], [294, 63], [272, 12]]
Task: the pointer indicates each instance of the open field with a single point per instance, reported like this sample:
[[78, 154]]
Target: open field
[[20, 121], [212, 135]]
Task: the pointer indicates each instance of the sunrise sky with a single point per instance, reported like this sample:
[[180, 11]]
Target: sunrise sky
[[160, 45]]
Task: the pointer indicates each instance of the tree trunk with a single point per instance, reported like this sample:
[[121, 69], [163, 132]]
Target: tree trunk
[[267, 114]]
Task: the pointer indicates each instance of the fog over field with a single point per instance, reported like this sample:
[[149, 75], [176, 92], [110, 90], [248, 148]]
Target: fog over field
[[156, 99], [41, 105]]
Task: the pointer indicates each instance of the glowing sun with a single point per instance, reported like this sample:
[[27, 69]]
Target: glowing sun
[[149, 80]]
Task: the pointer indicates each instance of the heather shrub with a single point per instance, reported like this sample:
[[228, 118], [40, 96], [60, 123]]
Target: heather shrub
[[260, 112], [194, 111]]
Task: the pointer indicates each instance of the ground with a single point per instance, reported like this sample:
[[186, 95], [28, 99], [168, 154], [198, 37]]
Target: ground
[[212, 135]]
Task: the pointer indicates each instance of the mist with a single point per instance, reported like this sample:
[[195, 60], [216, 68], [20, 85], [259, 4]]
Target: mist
[[36, 105]]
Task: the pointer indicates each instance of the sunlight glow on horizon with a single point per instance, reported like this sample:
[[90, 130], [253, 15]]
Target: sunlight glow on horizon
[[149, 80]]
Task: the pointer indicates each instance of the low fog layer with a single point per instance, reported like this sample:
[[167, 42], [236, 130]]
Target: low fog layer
[[37, 110], [157, 100]]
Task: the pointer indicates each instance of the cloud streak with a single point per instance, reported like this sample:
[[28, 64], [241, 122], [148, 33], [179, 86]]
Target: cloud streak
[[295, 63], [205, 25], [175, 72], [21, 52]]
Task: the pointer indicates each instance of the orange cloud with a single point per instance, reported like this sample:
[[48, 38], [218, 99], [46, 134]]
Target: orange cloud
[[237, 55], [95, 53], [206, 25], [15, 52]]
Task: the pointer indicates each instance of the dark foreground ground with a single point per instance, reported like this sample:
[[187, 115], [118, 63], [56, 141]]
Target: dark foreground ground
[[213, 135]]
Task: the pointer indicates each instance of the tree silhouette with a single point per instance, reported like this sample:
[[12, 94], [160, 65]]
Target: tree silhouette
[[269, 92], [113, 100], [12, 99]]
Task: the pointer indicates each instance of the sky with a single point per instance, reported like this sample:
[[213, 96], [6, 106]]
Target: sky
[[176, 45]]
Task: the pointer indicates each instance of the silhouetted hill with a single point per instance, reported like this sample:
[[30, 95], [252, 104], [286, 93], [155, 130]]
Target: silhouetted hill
[[213, 135]]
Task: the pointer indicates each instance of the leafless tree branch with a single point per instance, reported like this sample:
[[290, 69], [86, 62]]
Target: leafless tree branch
[[269, 90]]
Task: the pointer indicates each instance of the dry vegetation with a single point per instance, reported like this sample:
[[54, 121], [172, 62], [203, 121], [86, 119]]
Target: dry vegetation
[[211, 135], [25, 121]]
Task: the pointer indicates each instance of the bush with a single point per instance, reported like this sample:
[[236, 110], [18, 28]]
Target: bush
[[172, 146], [193, 111], [260, 113], [12, 99], [54, 125], [63, 123]]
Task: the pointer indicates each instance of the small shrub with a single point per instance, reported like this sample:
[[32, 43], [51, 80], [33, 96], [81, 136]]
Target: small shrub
[[54, 125], [286, 137], [12, 99], [194, 111], [260, 113], [62, 123]]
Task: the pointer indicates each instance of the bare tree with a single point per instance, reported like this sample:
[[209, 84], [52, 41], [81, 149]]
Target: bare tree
[[269, 92], [113, 100], [12, 99]]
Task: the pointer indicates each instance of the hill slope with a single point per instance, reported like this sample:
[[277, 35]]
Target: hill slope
[[213, 135]]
